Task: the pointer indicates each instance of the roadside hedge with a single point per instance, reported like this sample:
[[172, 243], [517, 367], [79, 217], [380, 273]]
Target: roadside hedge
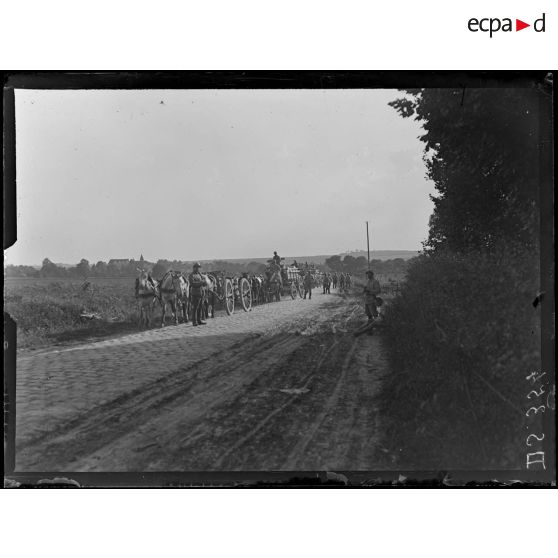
[[461, 337]]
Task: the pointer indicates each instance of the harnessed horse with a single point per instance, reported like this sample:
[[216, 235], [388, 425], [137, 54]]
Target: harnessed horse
[[209, 295], [274, 286], [174, 290], [257, 284], [146, 294]]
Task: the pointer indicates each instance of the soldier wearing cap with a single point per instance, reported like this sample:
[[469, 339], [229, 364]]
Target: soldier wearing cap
[[334, 280], [371, 291], [307, 283], [276, 259], [197, 286]]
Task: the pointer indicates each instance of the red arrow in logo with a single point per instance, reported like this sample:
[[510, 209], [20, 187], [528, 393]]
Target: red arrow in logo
[[519, 25]]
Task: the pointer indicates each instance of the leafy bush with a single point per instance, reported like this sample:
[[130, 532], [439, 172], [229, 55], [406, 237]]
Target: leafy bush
[[461, 336]]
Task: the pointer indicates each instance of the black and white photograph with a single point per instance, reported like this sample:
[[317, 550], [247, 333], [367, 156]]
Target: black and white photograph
[[231, 278]]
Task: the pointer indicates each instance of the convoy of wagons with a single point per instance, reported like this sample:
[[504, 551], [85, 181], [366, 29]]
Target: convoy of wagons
[[223, 289], [248, 290]]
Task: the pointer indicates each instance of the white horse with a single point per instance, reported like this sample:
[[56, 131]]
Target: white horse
[[174, 290], [209, 294], [183, 297]]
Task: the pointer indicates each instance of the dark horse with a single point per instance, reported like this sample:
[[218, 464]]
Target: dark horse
[[274, 285], [147, 293], [257, 287]]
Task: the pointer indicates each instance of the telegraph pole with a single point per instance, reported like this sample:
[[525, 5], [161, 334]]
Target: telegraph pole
[[368, 245]]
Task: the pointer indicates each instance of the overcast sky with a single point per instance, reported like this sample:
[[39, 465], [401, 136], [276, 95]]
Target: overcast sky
[[188, 174]]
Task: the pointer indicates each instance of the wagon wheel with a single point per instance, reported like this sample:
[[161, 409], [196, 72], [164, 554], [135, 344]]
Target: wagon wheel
[[245, 293], [228, 292], [293, 291]]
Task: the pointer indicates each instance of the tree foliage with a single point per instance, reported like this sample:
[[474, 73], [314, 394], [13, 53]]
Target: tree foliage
[[481, 152], [358, 266], [82, 268]]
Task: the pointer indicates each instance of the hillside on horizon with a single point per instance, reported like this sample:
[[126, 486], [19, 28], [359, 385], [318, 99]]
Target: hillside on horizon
[[320, 259]]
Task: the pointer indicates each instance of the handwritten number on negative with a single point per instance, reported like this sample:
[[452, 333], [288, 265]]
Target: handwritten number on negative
[[533, 376], [530, 443], [537, 393], [535, 410]]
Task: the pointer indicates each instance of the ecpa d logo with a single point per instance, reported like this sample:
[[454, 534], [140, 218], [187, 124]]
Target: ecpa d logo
[[492, 25]]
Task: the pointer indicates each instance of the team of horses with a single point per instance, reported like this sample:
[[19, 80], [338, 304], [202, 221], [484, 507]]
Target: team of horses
[[269, 287], [173, 290]]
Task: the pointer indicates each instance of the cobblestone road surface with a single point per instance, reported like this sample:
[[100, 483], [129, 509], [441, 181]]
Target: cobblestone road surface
[[205, 398], [53, 386]]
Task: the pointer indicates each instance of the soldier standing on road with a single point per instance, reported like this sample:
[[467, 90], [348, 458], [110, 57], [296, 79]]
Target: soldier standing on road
[[307, 282], [325, 283], [371, 291], [341, 282], [334, 280], [197, 285]]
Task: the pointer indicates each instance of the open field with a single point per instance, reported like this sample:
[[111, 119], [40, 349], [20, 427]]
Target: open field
[[48, 310]]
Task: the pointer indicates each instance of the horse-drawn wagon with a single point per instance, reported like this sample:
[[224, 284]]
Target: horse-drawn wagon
[[282, 280], [174, 289], [292, 281], [221, 287], [228, 290]]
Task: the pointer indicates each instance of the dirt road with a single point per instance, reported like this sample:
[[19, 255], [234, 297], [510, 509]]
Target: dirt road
[[283, 387]]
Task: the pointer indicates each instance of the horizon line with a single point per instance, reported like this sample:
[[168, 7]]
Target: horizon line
[[218, 258]]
